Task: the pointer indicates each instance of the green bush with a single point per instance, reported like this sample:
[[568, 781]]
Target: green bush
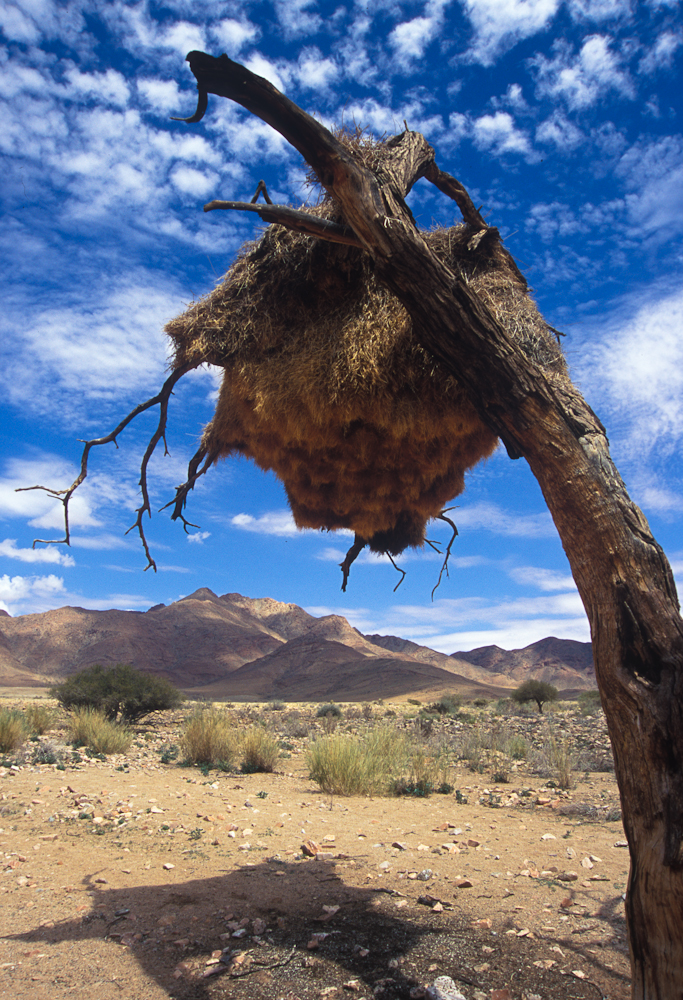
[[117, 692], [259, 750], [91, 728], [40, 718], [325, 711], [538, 691], [14, 729], [448, 704], [209, 738]]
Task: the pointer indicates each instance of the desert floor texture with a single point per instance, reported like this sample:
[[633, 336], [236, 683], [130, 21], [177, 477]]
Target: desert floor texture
[[129, 877]]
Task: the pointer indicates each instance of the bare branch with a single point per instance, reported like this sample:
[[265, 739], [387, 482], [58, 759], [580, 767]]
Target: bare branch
[[262, 189], [64, 496], [441, 516], [292, 218], [202, 103], [350, 557], [193, 474]]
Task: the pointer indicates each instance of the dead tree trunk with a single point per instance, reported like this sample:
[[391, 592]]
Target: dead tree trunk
[[622, 575]]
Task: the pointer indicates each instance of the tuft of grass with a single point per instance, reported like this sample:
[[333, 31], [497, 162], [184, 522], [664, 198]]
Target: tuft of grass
[[259, 750], [14, 729], [555, 760], [517, 747], [357, 765], [209, 738], [92, 729], [40, 718]]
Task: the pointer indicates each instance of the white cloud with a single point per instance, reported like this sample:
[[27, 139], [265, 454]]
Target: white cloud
[[296, 18], [23, 594], [499, 134], [636, 371], [234, 35], [500, 24], [410, 39], [8, 548], [314, 72], [653, 171], [465, 623], [559, 132], [583, 79], [275, 522], [491, 517], [35, 506], [553, 221], [194, 182], [198, 537], [599, 10], [544, 579], [184, 37], [160, 95]]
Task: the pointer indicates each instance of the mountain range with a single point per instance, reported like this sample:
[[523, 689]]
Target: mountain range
[[256, 648]]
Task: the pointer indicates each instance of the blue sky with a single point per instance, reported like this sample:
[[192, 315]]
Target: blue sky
[[564, 121]]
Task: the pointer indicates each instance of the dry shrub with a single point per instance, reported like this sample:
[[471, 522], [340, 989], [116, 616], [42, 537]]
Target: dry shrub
[[91, 728], [357, 765], [326, 384], [40, 718], [14, 729], [259, 751], [210, 738]]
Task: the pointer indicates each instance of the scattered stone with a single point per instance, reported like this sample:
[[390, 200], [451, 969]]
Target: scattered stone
[[353, 986], [309, 848], [548, 836], [443, 988], [621, 843], [567, 877], [424, 875], [168, 866], [586, 863], [578, 973], [399, 846], [463, 883]]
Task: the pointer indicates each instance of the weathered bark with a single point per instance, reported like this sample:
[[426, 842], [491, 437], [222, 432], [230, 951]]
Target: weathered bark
[[621, 573]]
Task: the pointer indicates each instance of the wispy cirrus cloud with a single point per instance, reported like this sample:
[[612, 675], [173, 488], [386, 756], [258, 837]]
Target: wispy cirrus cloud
[[275, 522]]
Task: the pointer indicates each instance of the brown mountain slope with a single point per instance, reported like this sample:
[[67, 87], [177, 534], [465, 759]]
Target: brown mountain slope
[[310, 668], [249, 647], [562, 662]]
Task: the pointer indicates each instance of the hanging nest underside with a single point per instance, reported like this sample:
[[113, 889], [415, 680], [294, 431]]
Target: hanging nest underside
[[325, 384]]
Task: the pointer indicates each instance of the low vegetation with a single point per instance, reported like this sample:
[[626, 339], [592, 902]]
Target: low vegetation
[[210, 737], [14, 729], [91, 728], [119, 692], [538, 691]]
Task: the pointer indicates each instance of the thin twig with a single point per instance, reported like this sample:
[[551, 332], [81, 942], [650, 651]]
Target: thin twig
[[64, 496], [442, 517], [350, 557], [398, 570]]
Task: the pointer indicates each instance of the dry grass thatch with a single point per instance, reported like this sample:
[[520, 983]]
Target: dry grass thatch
[[326, 385]]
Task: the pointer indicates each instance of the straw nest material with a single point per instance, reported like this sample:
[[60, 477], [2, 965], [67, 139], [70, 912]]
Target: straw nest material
[[325, 384]]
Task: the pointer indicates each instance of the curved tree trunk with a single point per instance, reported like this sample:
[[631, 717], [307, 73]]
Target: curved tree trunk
[[622, 575]]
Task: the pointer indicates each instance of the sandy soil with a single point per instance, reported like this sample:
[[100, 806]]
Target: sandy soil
[[129, 877]]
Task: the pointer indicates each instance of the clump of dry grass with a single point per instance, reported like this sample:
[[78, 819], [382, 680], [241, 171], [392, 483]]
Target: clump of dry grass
[[210, 738], [259, 751], [92, 729], [14, 729], [40, 718]]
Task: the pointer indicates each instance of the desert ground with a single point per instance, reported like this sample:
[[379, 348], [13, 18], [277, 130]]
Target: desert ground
[[135, 876]]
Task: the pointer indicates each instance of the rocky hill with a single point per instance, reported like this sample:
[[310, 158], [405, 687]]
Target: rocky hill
[[236, 646]]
